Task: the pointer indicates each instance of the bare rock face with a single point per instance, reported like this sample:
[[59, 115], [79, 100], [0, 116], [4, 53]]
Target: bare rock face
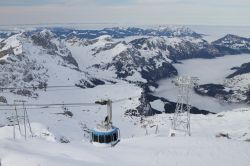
[[43, 39], [64, 140], [178, 48], [53, 45], [3, 99], [243, 69], [20, 71]]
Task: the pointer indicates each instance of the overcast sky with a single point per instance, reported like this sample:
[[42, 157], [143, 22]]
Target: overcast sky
[[198, 12]]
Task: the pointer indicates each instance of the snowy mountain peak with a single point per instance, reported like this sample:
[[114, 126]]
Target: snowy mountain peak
[[43, 39], [175, 29], [234, 42], [46, 33], [12, 44], [150, 43], [105, 38], [230, 38]]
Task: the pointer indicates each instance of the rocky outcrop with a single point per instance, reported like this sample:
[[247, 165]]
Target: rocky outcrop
[[53, 46], [3, 99], [214, 90], [243, 69]]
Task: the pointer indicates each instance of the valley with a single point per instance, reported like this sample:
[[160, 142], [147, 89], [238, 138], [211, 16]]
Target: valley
[[62, 73], [208, 71]]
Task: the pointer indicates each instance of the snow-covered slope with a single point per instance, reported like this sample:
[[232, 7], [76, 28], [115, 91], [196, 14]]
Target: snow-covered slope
[[70, 124], [112, 59], [145, 59], [138, 151], [216, 140], [39, 59], [177, 48]]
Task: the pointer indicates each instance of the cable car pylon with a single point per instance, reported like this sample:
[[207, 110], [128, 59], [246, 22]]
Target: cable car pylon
[[181, 118], [25, 119]]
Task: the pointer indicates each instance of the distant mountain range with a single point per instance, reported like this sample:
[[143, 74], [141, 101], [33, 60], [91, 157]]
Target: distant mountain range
[[117, 32]]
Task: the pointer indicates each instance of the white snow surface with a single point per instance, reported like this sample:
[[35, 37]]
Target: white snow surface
[[14, 43], [201, 148], [158, 105], [88, 55], [71, 127]]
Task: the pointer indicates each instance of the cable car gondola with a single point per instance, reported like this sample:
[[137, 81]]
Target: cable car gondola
[[105, 134]]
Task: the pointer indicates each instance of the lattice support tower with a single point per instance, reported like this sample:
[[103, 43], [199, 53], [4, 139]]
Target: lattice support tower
[[181, 118], [22, 121]]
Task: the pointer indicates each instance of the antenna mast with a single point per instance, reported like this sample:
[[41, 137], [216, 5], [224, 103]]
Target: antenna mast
[[181, 119], [109, 109]]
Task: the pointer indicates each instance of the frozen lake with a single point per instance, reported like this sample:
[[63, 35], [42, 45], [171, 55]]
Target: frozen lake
[[208, 71]]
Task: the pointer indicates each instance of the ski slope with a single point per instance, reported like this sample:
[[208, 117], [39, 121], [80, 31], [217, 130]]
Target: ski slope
[[71, 127], [152, 150]]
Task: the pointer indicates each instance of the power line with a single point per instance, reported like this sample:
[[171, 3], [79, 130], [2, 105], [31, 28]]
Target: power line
[[38, 87], [47, 105], [38, 108], [50, 104], [44, 88]]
